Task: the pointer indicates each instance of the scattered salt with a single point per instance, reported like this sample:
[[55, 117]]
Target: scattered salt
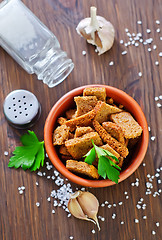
[[93, 231], [5, 153], [84, 53], [111, 63], [140, 74], [37, 204], [124, 52]]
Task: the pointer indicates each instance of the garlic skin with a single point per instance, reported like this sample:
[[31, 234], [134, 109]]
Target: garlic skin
[[84, 205], [97, 31]]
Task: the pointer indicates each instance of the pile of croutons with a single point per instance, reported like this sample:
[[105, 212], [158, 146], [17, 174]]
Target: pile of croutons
[[95, 117]]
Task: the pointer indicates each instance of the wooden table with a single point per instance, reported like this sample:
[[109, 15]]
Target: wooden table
[[20, 218]]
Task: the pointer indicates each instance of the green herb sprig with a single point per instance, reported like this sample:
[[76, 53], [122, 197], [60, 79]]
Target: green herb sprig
[[106, 167], [30, 155]]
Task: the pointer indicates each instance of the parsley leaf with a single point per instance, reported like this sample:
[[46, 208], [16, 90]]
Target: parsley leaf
[[106, 167], [90, 156], [30, 155]]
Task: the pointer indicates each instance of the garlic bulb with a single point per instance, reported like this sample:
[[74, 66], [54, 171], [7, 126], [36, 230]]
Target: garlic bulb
[[84, 205], [97, 31]]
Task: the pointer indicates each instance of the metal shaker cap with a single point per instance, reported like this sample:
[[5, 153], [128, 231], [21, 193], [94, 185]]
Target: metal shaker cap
[[21, 108]]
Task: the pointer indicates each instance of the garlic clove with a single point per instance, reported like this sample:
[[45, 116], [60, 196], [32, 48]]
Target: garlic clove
[[97, 31], [75, 209], [84, 205], [89, 205]]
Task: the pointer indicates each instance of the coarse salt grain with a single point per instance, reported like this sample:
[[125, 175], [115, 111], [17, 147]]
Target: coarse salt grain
[[158, 30], [136, 220], [102, 205], [148, 30], [37, 183], [23, 188], [5, 153], [154, 47], [140, 74], [136, 44], [139, 22], [124, 53], [53, 211], [102, 219], [125, 44], [144, 217], [39, 174], [157, 22], [93, 231], [149, 49], [48, 199], [111, 63], [153, 138], [160, 54], [159, 105], [126, 30], [120, 203], [156, 98], [157, 224], [71, 237], [144, 164], [159, 181], [156, 63], [121, 222], [21, 192], [37, 204], [153, 232], [83, 53], [114, 204], [121, 41], [109, 206], [125, 193], [127, 197]]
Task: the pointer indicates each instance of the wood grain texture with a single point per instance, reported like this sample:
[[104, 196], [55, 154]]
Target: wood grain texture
[[20, 219]]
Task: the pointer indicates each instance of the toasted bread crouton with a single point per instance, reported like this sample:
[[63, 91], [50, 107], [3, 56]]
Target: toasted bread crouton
[[115, 131], [80, 131], [65, 157], [82, 168], [71, 135], [103, 111], [61, 120], [63, 150], [99, 92], [70, 114], [85, 104], [60, 135], [121, 160], [84, 120], [130, 127], [78, 147], [106, 137], [110, 149], [110, 101]]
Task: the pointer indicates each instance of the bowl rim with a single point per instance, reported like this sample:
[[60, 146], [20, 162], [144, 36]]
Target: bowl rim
[[52, 154]]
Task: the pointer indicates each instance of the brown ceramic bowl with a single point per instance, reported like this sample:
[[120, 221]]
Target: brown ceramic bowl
[[67, 102]]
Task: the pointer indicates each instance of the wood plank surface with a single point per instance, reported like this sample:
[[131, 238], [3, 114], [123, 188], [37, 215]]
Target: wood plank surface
[[20, 218]]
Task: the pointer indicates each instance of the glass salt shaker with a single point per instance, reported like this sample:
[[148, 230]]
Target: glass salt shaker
[[32, 44]]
